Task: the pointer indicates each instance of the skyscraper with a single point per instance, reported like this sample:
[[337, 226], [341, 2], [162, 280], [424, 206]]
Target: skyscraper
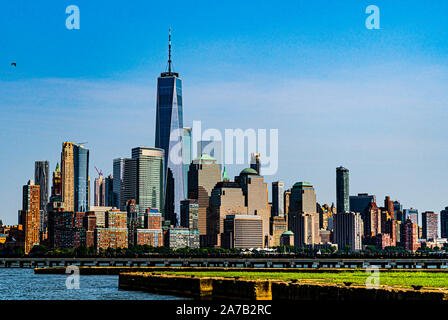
[[303, 216], [118, 184], [278, 189], [255, 162], [342, 190], [30, 214], [68, 176], [203, 175], [444, 223], [361, 202], [169, 135], [81, 178], [148, 180], [56, 188], [411, 214], [256, 196], [430, 225], [187, 155], [348, 230], [213, 148], [41, 177]]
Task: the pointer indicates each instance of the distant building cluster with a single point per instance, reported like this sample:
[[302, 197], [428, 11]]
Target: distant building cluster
[[153, 199]]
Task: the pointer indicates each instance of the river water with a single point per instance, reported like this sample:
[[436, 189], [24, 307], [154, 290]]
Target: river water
[[23, 284]]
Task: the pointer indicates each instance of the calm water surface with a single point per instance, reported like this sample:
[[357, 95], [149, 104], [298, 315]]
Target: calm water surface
[[23, 284]]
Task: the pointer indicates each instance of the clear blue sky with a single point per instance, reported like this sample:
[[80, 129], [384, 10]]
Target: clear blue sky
[[374, 101]]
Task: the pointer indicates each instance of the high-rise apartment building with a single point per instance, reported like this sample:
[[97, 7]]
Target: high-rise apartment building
[[409, 239], [342, 190], [68, 176], [104, 193], [81, 178], [30, 214], [430, 225], [169, 136], [348, 230], [278, 190]]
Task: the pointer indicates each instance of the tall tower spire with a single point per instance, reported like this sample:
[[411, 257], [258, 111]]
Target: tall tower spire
[[169, 51]]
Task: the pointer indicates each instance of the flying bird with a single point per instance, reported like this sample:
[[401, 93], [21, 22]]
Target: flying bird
[[14, 64]]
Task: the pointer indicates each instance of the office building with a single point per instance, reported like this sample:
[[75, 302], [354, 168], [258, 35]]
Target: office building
[[303, 218], [256, 197], [213, 148], [187, 155], [118, 183], [360, 202], [227, 198], [243, 232], [444, 223], [342, 190], [411, 214], [42, 179], [104, 193], [203, 175], [278, 226], [168, 137], [180, 237], [430, 225], [144, 179], [278, 190], [255, 162], [189, 214]]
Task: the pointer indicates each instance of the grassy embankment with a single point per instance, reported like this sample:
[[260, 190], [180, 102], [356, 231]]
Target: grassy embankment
[[396, 279]]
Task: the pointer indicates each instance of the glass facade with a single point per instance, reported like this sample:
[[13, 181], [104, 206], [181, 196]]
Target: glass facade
[[149, 182], [81, 177], [169, 136], [342, 190], [187, 156]]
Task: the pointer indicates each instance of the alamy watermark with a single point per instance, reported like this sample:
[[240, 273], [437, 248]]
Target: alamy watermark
[[73, 21], [235, 146], [373, 281], [72, 281]]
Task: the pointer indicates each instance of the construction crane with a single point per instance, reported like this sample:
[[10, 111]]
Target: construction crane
[[100, 172]]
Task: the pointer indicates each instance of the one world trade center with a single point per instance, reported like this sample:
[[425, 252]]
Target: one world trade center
[[169, 132]]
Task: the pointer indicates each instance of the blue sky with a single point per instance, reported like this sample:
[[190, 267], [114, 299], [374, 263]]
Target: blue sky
[[374, 101]]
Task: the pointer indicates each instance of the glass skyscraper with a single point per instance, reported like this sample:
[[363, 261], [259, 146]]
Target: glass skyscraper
[[169, 137], [342, 190], [41, 177], [81, 178], [148, 178]]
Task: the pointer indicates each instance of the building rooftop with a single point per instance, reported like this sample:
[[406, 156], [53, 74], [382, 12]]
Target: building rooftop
[[249, 171], [302, 184]]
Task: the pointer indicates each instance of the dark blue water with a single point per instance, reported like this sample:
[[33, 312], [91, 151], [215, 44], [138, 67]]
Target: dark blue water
[[23, 284]]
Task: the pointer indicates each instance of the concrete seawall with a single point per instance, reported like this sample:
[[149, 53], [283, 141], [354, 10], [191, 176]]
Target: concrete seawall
[[84, 270], [206, 288]]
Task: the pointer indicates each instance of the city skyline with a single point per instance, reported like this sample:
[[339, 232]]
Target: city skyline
[[401, 139]]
